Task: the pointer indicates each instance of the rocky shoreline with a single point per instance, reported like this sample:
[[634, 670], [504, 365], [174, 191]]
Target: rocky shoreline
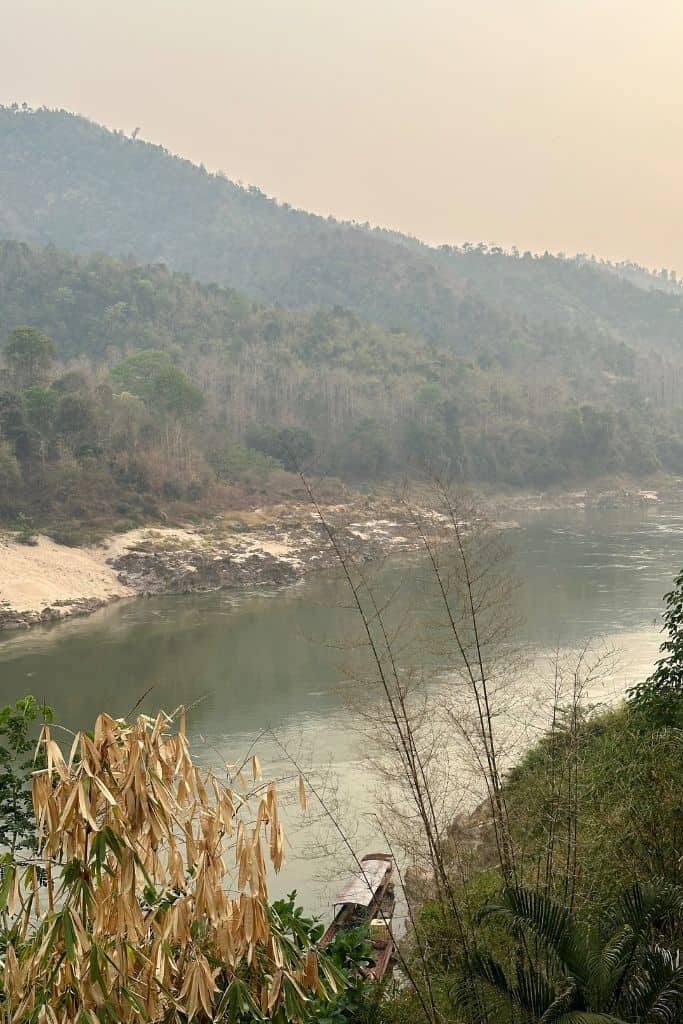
[[265, 547], [247, 555], [596, 499], [11, 618]]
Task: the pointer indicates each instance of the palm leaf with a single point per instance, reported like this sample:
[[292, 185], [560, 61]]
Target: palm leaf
[[534, 991], [641, 906], [492, 971], [560, 1005], [552, 923], [608, 964], [530, 990], [655, 989], [466, 995]]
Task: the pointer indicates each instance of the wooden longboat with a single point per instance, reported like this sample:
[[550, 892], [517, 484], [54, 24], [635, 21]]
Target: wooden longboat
[[368, 898]]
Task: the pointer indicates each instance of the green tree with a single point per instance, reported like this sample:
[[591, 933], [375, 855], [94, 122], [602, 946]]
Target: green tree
[[364, 451], [153, 376], [40, 405], [10, 478], [17, 743], [13, 423], [29, 354], [294, 447], [75, 418], [10, 474]]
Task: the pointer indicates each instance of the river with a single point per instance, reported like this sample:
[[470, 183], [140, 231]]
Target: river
[[280, 658]]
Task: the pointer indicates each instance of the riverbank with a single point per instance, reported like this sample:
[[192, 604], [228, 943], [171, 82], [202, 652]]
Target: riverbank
[[43, 581]]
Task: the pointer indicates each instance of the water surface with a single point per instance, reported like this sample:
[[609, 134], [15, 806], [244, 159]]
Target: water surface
[[280, 658]]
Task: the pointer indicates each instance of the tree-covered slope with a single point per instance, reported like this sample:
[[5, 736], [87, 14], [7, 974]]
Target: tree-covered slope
[[66, 180], [572, 291], [174, 384]]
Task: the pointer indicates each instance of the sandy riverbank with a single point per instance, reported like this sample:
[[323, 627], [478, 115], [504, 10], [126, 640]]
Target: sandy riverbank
[[272, 546], [45, 582]]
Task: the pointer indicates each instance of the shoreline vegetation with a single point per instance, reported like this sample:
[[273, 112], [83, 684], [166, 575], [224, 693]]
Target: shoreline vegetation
[[42, 581]]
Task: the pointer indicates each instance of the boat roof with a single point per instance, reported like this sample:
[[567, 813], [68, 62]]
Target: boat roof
[[364, 883]]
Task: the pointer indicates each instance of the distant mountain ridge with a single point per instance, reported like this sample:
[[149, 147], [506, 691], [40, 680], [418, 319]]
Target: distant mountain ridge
[[66, 180]]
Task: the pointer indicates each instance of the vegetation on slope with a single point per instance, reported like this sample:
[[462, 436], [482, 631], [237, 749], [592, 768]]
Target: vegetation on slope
[[561, 898], [593, 923], [66, 180], [151, 387], [491, 366]]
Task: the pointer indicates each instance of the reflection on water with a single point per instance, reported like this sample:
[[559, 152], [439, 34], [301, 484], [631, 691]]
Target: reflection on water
[[279, 659]]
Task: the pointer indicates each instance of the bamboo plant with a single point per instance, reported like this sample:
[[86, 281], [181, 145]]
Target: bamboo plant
[[147, 898]]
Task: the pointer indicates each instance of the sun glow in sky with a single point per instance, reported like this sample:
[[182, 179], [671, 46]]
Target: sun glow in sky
[[546, 124]]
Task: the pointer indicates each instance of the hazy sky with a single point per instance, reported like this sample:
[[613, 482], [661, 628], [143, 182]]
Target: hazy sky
[[543, 123]]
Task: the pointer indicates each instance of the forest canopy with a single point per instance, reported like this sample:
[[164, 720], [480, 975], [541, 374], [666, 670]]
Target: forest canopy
[[145, 385], [66, 180]]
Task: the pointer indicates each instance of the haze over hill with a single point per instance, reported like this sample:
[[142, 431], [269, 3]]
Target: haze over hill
[[68, 181], [494, 366]]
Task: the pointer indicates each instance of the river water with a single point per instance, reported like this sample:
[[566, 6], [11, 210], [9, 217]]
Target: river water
[[282, 659]]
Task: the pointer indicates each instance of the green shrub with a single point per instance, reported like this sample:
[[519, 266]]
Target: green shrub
[[25, 530], [628, 805], [659, 700], [17, 744]]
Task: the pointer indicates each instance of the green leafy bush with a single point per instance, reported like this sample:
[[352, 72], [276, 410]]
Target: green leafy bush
[[349, 953], [17, 742], [659, 700]]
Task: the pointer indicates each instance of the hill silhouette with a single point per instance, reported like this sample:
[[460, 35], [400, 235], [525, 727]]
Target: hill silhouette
[[66, 180]]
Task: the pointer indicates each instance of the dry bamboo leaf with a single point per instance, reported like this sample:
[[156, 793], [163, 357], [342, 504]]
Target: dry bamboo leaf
[[104, 791], [138, 784], [55, 760], [84, 806]]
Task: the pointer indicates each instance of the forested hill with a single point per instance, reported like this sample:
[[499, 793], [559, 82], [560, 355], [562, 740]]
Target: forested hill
[[68, 181], [141, 355]]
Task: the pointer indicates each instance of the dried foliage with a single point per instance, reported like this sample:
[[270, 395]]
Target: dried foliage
[[148, 897]]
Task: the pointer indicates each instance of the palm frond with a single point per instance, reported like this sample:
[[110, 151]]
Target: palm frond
[[608, 964], [534, 991], [640, 906], [560, 1005], [655, 989], [524, 909], [531, 989], [492, 971], [465, 995]]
